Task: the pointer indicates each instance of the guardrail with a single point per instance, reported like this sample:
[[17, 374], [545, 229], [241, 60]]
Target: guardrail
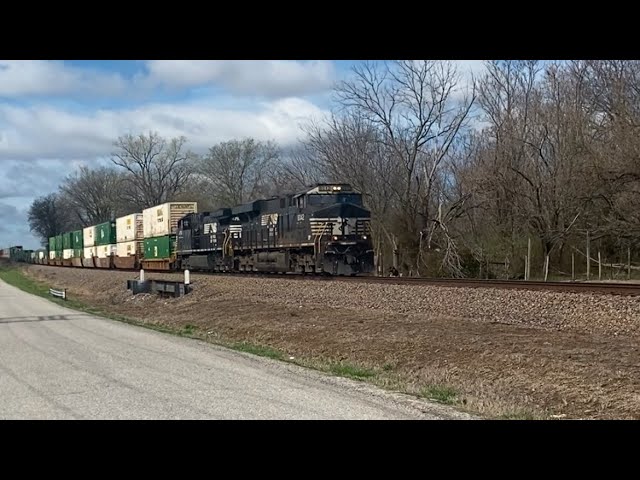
[[59, 293]]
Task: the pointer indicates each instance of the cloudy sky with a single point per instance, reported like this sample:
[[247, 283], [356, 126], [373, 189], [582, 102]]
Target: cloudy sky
[[56, 115]]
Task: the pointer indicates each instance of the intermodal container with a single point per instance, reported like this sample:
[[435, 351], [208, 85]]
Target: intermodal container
[[88, 237], [127, 249], [67, 253], [162, 220], [157, 248], [67, 239], [52, 244], [105, 251], [129, 228], [77, 241], [77, 253], [90, 252], [106, 233]]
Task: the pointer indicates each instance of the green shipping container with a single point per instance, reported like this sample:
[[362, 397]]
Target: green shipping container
[[106, 233], [59, 247], [157, 248], [52, 244], [77, 253], [78, 240], [66, 241]]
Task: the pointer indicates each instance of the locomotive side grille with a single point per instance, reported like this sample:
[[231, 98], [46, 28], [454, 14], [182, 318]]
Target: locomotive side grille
[[321, 225], [363, 226], [235, 231]]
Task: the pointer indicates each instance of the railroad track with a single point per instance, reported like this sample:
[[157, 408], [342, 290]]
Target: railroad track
[[574, 287]]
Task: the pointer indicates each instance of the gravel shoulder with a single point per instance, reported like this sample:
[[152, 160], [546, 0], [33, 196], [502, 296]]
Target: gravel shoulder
[[498, 353]]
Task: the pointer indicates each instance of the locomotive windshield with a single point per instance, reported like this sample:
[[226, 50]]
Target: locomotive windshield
[[316, 199]]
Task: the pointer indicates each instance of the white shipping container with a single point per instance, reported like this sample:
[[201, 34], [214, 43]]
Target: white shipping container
[[90, 252], [129, 228], [126, 249], [163, 219], [41, 255], [105, 251], [89, 237], [67, 254], [52, 255]]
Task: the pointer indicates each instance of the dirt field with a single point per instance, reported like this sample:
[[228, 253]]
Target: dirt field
[[507, 354]]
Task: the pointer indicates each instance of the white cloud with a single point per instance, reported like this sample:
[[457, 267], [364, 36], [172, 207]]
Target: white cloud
[[272, 78], [45, 132], [40, 77]]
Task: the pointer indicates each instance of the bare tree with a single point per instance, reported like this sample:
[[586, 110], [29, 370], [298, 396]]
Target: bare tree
[[48, 217], [297, 169], [237, 170], [95, 195], [159, 169], [348, 149], [418, 110]]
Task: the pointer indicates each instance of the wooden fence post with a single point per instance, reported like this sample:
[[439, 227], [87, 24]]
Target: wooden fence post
[[588, 257], [529, 258], [599, 267], [546, 267]]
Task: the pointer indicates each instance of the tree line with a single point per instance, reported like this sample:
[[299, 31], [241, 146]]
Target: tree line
[[459, 176]]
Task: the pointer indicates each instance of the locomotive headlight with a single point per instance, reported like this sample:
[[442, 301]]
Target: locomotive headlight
[[335, 238], [364, 237]]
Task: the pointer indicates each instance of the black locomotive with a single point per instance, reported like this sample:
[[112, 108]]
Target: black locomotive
[[323, 230]]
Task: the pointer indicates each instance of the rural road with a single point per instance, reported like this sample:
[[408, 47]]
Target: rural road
[[57, 363]]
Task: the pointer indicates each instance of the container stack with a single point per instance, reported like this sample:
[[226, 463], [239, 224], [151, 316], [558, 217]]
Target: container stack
[[59, 249], [67, 247], [129, 236], [52, 248], [77, 243], [160, 225], [89, 242], [106, 239]]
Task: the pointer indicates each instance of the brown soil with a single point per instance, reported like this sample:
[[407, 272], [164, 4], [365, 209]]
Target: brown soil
[[502, 361]]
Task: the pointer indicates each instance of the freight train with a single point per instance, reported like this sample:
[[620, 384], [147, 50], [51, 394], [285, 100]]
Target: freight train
[[324, 229]]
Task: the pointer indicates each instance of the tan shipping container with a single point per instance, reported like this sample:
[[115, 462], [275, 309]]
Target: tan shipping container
[[104, 251], [127, 249], [163, 219], [129, 228], [89, 237]]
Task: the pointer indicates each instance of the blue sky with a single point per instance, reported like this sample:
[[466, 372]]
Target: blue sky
[[55, 115]]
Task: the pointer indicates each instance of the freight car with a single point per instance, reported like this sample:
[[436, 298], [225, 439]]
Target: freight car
[[324, 229]]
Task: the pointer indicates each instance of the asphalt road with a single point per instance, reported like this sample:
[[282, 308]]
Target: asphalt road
[[57, 363]]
